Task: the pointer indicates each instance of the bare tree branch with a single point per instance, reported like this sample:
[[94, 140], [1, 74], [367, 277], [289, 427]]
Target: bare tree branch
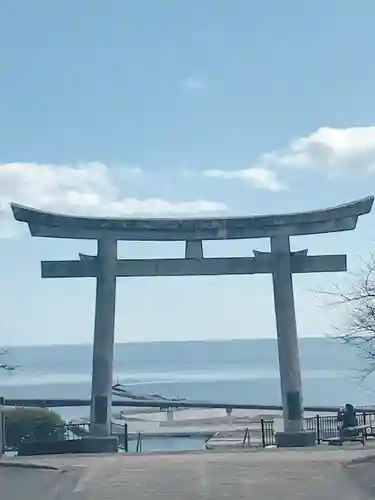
[[358, 305]]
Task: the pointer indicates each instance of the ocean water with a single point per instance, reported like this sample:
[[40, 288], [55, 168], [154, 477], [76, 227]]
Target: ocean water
[[235, 371], [169, 444]]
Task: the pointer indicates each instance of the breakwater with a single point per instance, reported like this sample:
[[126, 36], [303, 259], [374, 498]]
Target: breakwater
[[60, 403]]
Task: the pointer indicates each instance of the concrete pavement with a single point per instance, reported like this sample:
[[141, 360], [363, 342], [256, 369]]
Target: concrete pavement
[[314, 474], [36, 484]]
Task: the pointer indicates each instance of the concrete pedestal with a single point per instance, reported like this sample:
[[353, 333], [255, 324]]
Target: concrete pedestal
[[295, 439], [99, 444], [90, 444]]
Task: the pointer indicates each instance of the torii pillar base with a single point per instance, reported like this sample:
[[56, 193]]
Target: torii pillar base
[[299, 439], [98, 444]]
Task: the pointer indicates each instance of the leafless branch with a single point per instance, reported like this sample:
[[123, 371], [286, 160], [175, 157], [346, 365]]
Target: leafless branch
[[358, 303]]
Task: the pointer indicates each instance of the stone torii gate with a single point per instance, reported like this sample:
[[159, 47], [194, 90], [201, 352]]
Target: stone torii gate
[[280, 262]]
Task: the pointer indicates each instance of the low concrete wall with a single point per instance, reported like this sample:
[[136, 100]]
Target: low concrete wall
[[84, 445]]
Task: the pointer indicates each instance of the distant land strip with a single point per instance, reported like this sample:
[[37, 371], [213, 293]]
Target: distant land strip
[[163, 404]]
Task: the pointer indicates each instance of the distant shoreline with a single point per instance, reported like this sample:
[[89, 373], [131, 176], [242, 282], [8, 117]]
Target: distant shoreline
[[171, 342]]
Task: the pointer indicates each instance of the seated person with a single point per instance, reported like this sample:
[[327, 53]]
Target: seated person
[[348, 417]]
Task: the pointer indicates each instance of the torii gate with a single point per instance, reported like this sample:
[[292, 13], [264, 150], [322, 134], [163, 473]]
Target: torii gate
[[280, 262]]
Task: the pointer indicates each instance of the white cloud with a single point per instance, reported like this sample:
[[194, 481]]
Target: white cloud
[[260, 178], [334, 150], [193, 83], [89, 189], [338, 151]]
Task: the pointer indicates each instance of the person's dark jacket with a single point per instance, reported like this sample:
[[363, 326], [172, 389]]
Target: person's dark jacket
[[348, 418]]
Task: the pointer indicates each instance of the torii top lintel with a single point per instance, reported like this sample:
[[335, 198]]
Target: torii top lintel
[[52, 225]]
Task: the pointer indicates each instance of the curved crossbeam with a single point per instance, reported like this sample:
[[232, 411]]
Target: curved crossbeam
[[47, 224]]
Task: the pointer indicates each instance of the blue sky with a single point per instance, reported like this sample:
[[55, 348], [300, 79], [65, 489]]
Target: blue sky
[[168, 108]]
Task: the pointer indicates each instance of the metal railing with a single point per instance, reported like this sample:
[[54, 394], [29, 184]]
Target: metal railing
[[268, 433], [123, 438], [327, 426], [249, 437], [72, 431]]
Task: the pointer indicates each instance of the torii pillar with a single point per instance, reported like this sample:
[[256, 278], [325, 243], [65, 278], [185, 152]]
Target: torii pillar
[[104, 338], [287, 339]]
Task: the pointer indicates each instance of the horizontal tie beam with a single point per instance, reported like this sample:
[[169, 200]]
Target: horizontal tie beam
[[134, 268]]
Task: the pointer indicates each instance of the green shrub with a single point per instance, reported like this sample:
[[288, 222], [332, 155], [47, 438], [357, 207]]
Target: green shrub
[[31, 424]]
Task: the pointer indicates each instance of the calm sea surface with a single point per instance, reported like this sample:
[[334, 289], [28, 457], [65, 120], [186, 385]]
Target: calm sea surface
[[237, 371]]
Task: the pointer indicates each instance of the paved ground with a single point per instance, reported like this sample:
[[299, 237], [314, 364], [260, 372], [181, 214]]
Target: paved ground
[[317, 474], [362, 473], [33, 484]]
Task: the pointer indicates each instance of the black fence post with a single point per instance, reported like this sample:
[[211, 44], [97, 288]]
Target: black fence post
[[126, 438], [273, 434], [318, 429], [2, 429], [263, 435]]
